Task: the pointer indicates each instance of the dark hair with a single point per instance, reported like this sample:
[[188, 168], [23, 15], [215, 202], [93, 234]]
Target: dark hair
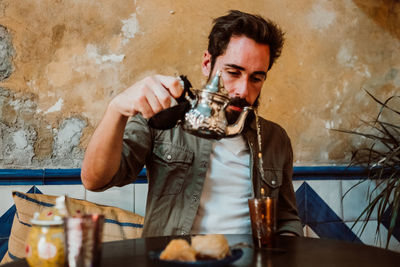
[[237, 23]]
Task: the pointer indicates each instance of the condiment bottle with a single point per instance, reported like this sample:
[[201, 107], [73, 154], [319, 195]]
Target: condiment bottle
[[46, 240]]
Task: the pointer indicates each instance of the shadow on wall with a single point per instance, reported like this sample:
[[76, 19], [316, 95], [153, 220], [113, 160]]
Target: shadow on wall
[[384, 12]]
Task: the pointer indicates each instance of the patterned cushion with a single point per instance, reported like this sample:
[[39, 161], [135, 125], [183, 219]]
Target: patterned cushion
[[119, 224]]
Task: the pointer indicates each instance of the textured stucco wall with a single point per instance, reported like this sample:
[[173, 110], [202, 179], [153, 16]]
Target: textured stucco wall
[[61, 61]]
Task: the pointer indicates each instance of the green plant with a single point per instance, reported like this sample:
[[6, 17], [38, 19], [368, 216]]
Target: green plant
[[381, 160]]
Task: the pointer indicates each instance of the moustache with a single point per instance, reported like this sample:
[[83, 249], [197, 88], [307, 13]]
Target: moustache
[[239, 102]]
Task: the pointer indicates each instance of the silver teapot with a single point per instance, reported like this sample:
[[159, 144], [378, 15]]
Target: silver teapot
[[206, 117]]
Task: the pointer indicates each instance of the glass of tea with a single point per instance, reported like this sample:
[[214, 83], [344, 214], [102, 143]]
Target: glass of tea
[[263, 221]]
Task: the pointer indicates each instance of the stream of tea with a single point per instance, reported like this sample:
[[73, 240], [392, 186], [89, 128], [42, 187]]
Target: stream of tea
[[259, 154]]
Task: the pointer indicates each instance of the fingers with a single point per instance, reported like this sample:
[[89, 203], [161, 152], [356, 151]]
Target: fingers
[[172, 84], [160, 92], [156, 101], [149, 96]]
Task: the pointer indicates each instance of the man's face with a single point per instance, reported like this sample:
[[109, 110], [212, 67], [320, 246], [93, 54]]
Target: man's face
[[244, 67]]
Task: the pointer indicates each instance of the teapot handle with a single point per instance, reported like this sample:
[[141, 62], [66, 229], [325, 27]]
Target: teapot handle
[[168, 118], [187, 92]]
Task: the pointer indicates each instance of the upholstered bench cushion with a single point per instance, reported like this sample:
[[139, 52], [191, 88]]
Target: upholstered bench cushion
[[119, 224]]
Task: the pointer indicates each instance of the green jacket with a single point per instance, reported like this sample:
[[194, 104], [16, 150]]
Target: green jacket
[[176, 164]]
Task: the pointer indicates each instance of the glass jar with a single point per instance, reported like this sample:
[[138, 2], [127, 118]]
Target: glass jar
[[46, 244]]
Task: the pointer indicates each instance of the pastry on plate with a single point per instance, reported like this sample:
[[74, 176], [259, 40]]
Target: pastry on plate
[[213, 246], [179, 250]]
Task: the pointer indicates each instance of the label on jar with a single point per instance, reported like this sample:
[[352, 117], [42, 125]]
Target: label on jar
[[46, 250]]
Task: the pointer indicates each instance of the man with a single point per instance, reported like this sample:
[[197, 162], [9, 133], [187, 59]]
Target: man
[[198, 185]]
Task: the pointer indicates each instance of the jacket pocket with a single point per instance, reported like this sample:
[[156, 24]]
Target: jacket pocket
[[273, 177], [171, 165]]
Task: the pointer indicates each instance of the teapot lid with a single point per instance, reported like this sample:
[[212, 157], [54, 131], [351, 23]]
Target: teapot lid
[[216, 85]]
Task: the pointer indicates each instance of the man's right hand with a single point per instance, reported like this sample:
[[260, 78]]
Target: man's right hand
[[103, 154], [148, 96]]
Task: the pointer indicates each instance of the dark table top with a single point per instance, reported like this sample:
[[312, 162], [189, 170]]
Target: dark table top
[[291, 251]]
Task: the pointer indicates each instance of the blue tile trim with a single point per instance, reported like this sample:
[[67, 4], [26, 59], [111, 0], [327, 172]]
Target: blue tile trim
[[314, 212], [34, 190], [6, 221], [3, 247], [335, 230], [318, 210], [48, 176], [72, 176], [301, 200], [328, 173], [386, 223]]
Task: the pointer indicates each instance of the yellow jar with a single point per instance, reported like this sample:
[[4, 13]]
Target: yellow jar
[[46, 244]]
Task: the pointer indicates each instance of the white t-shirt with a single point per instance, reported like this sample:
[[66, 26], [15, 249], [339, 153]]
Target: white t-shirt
[[223, 204]]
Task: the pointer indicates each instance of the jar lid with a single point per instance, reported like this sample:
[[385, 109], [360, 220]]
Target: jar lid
[[51, 216], [47, 218]]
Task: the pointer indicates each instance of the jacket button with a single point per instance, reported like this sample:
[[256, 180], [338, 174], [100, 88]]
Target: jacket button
[[273, 182], [183, 232], [169, 157], [195, 198]]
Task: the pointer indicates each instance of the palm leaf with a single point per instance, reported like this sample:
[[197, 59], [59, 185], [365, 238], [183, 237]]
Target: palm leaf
[[381, 159], [385, 104]]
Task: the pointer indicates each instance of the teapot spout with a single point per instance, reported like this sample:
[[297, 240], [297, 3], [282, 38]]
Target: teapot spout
[[237, 127]]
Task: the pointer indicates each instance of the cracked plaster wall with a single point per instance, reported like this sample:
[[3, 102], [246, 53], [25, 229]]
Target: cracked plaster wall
[[62, 61]]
